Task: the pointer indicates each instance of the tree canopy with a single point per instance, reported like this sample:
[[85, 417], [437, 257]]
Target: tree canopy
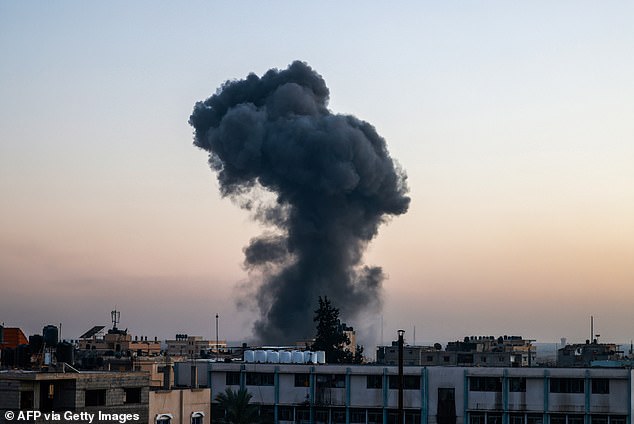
[[237, 408], [331, 337]]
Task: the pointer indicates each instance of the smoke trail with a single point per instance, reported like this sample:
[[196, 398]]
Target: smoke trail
[[333, 183]]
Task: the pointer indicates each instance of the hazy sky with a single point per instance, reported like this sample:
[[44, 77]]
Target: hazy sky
[[513, 120]]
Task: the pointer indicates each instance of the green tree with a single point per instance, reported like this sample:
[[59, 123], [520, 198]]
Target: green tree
[[330, 335], [358, 355], [237, 408]]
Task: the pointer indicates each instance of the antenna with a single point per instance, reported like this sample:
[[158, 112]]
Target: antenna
[[116, 316], [591, 328]]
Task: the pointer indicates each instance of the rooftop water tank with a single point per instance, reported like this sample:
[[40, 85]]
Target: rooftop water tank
[[273, 357], [285, 357], [249, 356], [260, 356], [51, 335], [297, 357], [321, 357]]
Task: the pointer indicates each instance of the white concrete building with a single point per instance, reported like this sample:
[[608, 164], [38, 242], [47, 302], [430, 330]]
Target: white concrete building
[[433, 395]]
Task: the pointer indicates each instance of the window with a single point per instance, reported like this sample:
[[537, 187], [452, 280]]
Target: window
[[95, 397], [575, 419], [483, 358], [566, 385], [476, 418], [260, 379], [517, 384], [600, 386], [599, 419], [516, 419], [302, 380], [494, 419], [132, 395], [485, 384], [232, 378], [617, 419], [445, 359], [357, 416], [430, 358], [374, 382], [197, 418], [410, 382], [285, 413], [558, 419], [26, 400], [337, 381], [534, 419]]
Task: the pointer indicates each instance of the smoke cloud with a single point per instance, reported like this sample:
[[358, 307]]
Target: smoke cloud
[[328, 183]]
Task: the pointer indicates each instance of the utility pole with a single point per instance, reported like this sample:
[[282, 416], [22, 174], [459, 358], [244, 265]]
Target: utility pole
[[400, 377], [217, 347]]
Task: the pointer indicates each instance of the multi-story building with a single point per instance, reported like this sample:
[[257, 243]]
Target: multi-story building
[[192, 346], [482, 351], [100, 393], [582, 355], [432, 395]]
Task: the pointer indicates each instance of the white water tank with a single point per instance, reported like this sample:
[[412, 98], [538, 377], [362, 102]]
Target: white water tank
[[273, 357], [308, 356], [297, 357], [260, 356], [321, 357], [285, 357], [313, 358], [249, 356]]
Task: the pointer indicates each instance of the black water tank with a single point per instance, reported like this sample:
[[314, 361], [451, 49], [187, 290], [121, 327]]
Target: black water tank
[[65, 353], [23, 356], [36, 342], [51, 335]]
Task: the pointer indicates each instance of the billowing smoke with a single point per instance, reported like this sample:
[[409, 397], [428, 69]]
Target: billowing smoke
[[329, 180]]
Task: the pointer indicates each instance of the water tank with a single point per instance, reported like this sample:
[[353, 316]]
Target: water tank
[[297, 357], [313, 358], [273, 357], [285, 357], [260, 356], [23, 356], [36, 342], [51, 335], [48, 358], [249, 356], [65, 353], [321, 357], [308, 357]]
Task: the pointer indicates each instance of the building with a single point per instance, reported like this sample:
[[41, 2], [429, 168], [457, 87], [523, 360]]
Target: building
[[194, 346], [11, 337], [583, 355], [88, 392], [289, 393], [481, 351]]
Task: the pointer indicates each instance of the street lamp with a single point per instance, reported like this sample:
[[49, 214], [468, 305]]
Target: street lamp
[[400, 377]]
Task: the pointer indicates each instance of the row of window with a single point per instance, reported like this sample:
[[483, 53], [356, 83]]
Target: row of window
[[412, 382], [496, 418], [98, 397], [556, 385]]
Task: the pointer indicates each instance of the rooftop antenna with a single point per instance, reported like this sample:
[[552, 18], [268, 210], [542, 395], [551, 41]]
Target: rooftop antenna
[[591, 329], [116, 316], [414, 342]]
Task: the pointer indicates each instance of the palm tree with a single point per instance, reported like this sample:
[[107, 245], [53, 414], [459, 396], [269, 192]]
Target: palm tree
[[237, 408]]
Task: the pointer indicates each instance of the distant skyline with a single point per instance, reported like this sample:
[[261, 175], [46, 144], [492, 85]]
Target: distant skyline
[[512, 120]]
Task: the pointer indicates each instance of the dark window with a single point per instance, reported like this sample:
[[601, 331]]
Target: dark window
[[332, 381], [445, 359], [465, 358], [617, 419], [566, 385], [132, 395], [485, 384], [338, 416], [534, 419], [26, 400], [517, 384], [95, 397], [575, 419], [600, 386], [557, 419], [357, 415], [430, 358], [232, 378], [374, 382], [163, 420], [375, 416], [476, 418], [494, 419], [516, 419], [410, 382], [285, 413], [302, 380], [197, 418], [599, 419], [260, 379], [483, 358]]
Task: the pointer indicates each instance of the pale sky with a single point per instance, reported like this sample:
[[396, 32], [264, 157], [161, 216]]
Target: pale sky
[[513, 121]]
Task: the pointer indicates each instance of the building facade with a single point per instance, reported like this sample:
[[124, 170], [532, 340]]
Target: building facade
[[432, 395]]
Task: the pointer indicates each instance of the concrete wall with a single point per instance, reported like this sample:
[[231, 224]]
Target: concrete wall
[[181, 404]]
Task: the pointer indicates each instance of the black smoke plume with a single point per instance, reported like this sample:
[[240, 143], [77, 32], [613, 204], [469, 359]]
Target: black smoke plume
[[332, 182]]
